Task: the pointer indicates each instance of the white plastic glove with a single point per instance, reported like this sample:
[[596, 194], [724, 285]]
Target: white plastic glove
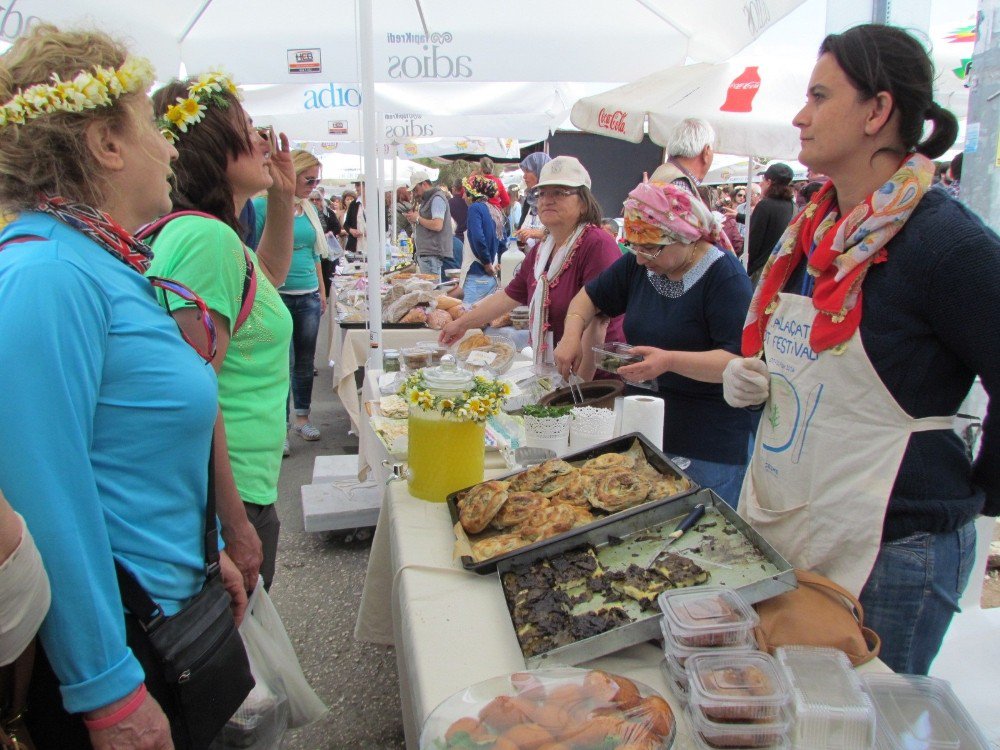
[[745, 382]]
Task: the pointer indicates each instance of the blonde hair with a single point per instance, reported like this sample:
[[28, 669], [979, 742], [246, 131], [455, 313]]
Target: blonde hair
[[50, 154], [303, 160]]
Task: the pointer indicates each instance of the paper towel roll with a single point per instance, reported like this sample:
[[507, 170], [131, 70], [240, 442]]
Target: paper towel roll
[[644, 414]]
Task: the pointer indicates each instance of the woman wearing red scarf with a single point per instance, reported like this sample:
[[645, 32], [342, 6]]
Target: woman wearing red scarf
[[875, 311]]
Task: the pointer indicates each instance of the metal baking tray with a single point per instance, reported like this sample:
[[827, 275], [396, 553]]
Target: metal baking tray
[[621, 444], [385, 326], [754, 580]]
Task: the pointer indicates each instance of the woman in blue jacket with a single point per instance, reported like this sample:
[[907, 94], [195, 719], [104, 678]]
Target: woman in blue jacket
[[483, 235]]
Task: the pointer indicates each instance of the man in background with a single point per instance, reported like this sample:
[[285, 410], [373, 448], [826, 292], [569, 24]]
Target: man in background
[[432, 227], [690, 151]]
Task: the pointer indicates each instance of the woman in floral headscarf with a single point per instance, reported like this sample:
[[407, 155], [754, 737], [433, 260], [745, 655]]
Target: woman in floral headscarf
[[684, 297], [483, 235]]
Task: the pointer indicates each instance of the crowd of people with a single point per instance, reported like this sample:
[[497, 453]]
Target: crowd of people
[[166, 265]]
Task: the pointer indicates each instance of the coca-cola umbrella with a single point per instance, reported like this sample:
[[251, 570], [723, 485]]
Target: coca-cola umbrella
[[749, 102]]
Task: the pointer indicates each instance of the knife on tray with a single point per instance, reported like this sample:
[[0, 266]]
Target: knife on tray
[[693, 516]]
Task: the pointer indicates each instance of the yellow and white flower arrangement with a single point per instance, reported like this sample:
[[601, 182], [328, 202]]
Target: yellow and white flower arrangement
[[477, 404], [87, 90], [190, 110]]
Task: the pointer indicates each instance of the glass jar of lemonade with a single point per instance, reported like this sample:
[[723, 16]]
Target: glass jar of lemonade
[[445, 449]]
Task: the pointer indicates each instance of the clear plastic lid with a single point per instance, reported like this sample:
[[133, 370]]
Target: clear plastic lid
[[707, 616], [680, 652], [832, 710], [921, 712], [447, 378], [741, 687], [614, 354], [708, 734], [563, 707]]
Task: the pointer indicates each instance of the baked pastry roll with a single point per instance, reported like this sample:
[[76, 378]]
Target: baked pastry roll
[[518, 508], [618, 489], [608, 461], [492, 546], [579, 490], [481, 504]]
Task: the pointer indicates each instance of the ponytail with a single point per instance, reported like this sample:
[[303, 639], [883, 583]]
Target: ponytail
[[943, 135]]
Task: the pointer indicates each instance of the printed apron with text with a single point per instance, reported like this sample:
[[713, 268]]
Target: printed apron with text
[[830, 442]]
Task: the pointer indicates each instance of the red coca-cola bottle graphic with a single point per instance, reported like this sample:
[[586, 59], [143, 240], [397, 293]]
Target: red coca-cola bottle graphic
[[739, 97]]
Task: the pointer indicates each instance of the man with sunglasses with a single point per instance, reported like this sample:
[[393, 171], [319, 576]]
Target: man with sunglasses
[[432, 227]]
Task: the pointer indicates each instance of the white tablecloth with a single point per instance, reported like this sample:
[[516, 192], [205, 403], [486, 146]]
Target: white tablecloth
[[451, 627], [349, 349]]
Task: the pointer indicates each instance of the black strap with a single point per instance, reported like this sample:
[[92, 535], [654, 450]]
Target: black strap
[[134, 596]]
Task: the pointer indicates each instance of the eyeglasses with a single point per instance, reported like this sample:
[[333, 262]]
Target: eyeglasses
[[206, 351], [647, 254], [546, 193], [741, 195], [312, 181], [265, 131]]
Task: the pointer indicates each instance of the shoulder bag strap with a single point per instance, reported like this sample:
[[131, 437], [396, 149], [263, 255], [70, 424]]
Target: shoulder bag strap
[[249, 279], [134, 596]]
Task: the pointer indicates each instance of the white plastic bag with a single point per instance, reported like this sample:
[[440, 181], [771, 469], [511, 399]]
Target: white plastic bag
[[282, 698]]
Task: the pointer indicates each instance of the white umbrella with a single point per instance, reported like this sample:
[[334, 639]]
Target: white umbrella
[[749, 102]]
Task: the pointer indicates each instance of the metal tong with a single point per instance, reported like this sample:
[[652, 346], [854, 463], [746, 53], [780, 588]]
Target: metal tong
[[574, 381]]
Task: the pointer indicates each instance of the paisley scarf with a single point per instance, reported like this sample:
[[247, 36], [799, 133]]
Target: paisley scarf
[[839, 251]]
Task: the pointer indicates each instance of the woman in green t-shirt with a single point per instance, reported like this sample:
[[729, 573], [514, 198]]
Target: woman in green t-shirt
[[304, 291], [223, 162]]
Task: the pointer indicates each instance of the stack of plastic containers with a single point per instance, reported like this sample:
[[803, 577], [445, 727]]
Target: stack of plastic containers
[[709, 619], [832, 711], [738, 700], [920, 712]]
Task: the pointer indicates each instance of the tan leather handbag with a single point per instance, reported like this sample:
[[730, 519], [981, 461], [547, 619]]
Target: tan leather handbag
[[818, 613]]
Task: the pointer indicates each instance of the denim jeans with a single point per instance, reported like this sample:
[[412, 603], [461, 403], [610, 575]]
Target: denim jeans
[[477, 287], [429, 264], [725, 479], [306, 312], [913, 591]]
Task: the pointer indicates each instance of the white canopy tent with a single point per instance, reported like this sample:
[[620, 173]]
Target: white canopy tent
[[422, 43]]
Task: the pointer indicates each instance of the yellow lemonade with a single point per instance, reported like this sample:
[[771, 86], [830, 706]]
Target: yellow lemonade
[[445, 454]]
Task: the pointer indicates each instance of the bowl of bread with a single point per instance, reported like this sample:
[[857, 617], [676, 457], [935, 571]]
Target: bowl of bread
[[481, 352]]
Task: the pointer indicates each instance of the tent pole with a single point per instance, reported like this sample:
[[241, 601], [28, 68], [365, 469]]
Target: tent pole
[[395, 165], [746, 235], [375, 241]]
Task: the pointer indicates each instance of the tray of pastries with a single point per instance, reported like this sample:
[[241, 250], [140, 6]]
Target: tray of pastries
[[595, 592], [498, 518], [561, 709]]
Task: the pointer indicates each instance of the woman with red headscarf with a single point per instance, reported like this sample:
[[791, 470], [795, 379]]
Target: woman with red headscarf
[[684, 294]]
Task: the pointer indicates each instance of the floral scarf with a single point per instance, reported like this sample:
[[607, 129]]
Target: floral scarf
[[839, 251]]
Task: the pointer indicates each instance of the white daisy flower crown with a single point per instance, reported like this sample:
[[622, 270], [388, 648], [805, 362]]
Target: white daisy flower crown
[[87, 90], [190, 110]]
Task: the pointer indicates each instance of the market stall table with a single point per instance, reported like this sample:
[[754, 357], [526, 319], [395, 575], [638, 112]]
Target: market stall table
[[349, 349], [451, 627]]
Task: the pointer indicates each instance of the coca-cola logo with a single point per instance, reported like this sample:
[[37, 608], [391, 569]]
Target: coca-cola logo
[[611, 120]]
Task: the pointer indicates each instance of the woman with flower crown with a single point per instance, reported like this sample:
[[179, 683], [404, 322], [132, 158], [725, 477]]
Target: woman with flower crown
[[875, 311], [107, 414], [223, 162]]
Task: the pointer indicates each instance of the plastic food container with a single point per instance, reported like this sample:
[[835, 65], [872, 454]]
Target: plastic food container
[[682, 653], [437, 350], [737, 687], [707, 616], [708, 734], [676, 678], [832, 710], [575, 707], [415, 358], [920, 712], [612, 355]]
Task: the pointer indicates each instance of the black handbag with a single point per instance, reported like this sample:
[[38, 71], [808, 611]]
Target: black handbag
[[197, 654]]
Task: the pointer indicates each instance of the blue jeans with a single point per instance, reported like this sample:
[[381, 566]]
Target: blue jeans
[[477, 287], [306, 312], [429, 264], [455, 261], [725, 479], [913, 591]]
